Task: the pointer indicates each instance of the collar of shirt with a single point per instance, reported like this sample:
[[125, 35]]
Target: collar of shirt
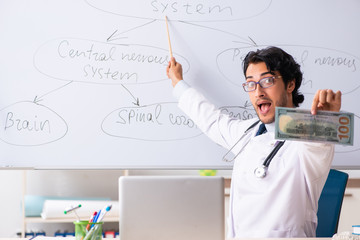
[[270, 127]]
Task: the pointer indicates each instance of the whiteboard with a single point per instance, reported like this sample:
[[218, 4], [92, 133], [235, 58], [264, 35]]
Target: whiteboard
[[83, 83]]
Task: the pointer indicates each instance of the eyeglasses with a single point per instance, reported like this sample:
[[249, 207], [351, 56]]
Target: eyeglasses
[[264, 83]]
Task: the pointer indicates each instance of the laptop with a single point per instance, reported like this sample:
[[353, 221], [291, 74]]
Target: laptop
[[171, 208]]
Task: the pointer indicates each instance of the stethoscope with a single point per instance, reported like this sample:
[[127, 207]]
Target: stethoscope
[[260, 171]]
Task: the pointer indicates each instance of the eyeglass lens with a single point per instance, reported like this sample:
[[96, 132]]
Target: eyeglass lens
[[264, 83]]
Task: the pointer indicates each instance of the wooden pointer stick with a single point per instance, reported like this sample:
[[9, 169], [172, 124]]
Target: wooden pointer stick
[[168, 35]]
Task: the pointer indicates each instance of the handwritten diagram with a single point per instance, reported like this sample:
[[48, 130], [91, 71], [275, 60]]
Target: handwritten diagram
[[98, 78]]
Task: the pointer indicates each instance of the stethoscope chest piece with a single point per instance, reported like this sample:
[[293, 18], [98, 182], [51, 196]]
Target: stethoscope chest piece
[[260, 172]]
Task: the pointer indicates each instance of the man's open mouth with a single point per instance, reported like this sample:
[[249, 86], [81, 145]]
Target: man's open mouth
[[264, 107]]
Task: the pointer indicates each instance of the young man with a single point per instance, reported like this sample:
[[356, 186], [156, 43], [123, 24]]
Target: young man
[[282, 202]]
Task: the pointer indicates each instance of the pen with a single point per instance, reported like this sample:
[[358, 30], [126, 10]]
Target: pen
[[72, 208], [103, 212], [91, 220], [96, 218]]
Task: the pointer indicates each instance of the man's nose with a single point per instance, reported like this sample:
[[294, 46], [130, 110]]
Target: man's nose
[[259, 91]]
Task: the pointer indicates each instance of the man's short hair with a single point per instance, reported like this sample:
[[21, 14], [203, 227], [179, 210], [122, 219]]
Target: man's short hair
[[277, 59]]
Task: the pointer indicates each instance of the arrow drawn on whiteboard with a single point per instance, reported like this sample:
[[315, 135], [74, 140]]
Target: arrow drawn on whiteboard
[[254, 44], [246, 41], [137, 101], [247, 104], [39, 99], [116, 35]]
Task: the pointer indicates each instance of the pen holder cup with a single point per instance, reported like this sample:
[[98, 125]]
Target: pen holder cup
[[95, 233]]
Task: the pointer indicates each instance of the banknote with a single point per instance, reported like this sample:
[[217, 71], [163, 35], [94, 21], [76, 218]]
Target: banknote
[[325, 126]]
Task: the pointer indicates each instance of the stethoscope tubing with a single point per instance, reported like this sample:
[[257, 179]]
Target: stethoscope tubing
[[267, 160]]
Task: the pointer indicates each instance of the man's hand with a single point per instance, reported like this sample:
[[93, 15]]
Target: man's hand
[[174, 71], [326, 100]]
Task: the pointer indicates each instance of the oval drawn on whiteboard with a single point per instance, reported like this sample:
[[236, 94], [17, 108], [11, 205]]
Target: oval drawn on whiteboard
[[317, 65], [30, 124], [155, 122], [184, 10]]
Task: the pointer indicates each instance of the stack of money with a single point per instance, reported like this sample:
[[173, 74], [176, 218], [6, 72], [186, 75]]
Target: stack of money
[[325, 126]]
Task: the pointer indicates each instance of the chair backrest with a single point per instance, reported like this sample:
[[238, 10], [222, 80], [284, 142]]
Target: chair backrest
[[330, 202]]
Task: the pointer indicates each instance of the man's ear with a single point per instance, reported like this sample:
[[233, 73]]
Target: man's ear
[[291, 86]]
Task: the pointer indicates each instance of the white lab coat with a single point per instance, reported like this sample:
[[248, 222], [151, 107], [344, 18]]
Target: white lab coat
[[285, 202]]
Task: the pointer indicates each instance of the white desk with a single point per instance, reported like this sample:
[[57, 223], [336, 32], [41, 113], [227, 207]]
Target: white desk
[[72, 238]]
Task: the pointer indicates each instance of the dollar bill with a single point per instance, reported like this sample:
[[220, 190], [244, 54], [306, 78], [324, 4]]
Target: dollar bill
[[325, 126]]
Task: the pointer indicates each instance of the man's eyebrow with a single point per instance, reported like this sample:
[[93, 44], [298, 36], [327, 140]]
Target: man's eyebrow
[[269, 72], [262, 74]]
